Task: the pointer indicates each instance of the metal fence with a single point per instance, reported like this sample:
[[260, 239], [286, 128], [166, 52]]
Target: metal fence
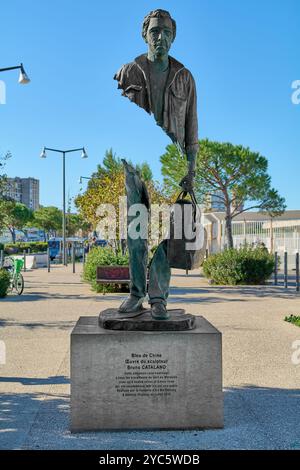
[[277, 239]]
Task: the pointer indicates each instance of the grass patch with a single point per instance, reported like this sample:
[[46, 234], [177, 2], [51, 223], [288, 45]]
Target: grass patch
[[293, 319]]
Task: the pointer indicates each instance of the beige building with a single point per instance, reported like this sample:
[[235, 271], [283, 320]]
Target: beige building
[[278, 234]]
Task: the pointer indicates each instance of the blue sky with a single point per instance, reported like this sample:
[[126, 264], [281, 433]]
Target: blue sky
[[244, 56]]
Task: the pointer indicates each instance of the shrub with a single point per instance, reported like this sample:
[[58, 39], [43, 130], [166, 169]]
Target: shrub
[[293, 319], [102, 256], [4, 282], [247, 265], [1, 246], [19, 247]]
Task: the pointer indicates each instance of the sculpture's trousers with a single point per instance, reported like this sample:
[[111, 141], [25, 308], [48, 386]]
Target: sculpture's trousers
[[160, 272]]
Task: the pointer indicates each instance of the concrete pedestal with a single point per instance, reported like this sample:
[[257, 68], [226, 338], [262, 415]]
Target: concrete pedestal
[[145, 380]]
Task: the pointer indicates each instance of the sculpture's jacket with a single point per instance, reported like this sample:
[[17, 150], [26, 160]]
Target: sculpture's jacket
[[180, 102]]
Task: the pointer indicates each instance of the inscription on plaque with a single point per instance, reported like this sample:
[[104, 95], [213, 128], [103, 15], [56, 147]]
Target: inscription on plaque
[[146, 375]]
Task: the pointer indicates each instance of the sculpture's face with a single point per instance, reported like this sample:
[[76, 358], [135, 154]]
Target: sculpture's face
[[159, 36]]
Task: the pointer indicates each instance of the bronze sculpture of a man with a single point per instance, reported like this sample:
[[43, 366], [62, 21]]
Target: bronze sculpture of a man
[[162, 86]]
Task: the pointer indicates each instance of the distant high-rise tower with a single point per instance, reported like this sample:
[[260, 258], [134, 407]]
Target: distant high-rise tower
[[14, 189], [24, 190], [213, 202]]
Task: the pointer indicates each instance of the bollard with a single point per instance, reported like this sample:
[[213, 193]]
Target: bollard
[[48, 259], [285, 270], [1, 258], [73, 256], [276, 269], [297, 273], [24, 258]]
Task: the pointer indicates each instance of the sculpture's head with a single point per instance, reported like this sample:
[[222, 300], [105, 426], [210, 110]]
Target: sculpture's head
[[159, 31]]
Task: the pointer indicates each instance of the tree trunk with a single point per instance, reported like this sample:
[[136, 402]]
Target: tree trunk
[[228, 230], [13, 234], [123, 246]]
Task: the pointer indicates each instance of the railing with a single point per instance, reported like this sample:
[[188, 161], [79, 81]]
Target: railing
[[287, 277], [75, 252]]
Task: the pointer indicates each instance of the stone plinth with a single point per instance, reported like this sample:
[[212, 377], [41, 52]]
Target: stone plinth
[[145, 380]]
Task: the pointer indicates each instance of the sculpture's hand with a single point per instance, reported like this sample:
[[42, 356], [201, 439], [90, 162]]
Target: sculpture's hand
[[187, 182]]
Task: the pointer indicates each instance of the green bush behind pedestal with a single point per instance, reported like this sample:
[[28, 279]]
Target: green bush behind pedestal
[[4, 282], [246, 265], [102, 256], [19, 247]]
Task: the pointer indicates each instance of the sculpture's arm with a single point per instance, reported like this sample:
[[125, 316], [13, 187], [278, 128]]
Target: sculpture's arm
[[187, 182], [191, 135]]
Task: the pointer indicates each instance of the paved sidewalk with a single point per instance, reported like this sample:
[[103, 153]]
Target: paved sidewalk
[[261, 383]]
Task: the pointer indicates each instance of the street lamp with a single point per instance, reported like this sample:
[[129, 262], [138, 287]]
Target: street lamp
[[63, 152], [23, 77], [83, 178]]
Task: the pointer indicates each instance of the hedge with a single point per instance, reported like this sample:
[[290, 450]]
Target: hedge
[[102, 256], [4, 282], [19, 247], [246, 265]]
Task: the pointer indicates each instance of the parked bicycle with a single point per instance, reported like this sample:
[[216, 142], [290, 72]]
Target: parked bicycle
[[14, 266]]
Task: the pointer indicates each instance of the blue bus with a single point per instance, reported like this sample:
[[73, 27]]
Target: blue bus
[[55, 247]]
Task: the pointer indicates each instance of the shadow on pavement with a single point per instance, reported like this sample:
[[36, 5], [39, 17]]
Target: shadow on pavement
[[232, 293], [55, 379], [255, 418], [63, 325], [248, 291], [36, 296], [201, 299]]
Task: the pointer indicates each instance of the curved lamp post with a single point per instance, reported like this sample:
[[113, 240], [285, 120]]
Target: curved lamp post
[[63, 152], [23, 77], [83, 178]]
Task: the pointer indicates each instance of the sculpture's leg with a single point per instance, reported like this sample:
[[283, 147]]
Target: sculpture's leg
[[138, 258], [138, 248], [159, 281]]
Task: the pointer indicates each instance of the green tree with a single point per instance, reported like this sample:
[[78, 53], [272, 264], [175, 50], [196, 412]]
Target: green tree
[[3, 176], [49, 219], [3, 185], [112, 166], [234, 174], [107, 185], [75, 222], [145, 171], [14, 216]]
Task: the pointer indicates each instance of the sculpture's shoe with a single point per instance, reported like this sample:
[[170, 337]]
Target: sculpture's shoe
[[159, 311], [131, 304]]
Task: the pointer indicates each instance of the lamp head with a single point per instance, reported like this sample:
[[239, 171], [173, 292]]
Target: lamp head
[[23, 77], [84, 154], [43, 154]]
